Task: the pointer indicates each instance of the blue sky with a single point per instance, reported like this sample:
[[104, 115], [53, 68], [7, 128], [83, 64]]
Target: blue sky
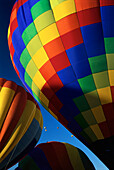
[[7, 71]]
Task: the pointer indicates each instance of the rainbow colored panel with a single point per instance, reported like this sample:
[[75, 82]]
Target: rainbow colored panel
[[63, 51]]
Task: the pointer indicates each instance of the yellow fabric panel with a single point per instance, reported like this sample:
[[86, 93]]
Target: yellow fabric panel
[[21, 128], [40, 58], [92, 98], [31, 69], [89, 132], [105, 95], [39, 118], [110, 61], [6, 96], [98, 114], [53, 114], [111, 77], [74, 157], [35, 89], [89, 117], [39, 80], [44, 99], [64, 9], [48, 34], [54, 3], [44, 20], [8, 34], [97, 131], [34, 45]]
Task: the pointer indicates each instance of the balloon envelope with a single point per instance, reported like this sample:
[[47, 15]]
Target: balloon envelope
[[21, 123], [63, 51], [55, 155]]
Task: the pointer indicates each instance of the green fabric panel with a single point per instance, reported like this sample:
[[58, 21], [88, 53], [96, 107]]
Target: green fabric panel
[[31, 69], [98, 63], [85, 160], [93, 99], [109, 45], [89, 117], [81, 103], [87, 84], [44, 20], [28, 80], [110, 61], [25, 58], [36, 97], [81, 121], [29, 33], [39, 8], [28, 164], [91, 134], [101, 79]]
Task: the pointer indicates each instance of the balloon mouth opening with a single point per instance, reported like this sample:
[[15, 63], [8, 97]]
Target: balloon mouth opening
[[104, 149]]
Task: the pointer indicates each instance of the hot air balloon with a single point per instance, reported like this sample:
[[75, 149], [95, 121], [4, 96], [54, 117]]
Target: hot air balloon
[[63, 52], [21, 123], [55, 155]]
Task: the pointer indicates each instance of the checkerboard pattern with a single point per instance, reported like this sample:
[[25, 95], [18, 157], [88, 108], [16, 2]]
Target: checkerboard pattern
[[63, 51]]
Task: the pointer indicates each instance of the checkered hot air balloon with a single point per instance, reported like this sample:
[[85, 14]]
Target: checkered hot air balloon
[[63, 52]]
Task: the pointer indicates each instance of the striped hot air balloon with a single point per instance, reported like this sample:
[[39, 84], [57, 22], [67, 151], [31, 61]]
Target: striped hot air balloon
[[55, 155], [63, 52], [21, 123]]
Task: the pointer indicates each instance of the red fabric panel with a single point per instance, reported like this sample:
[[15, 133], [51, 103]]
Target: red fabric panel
[[89, 16], [11, 85], [54, 47], [112, 92], [62, 155], [106, 2], [2, 81], [109, 114], [60, 61], [105, 129], [47, 70], [55, 83], [72, 38], [50, 155], [56, 102], [47, 91]]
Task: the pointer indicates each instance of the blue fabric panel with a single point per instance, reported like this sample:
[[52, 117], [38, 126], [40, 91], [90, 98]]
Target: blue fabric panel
[[74, 127], [24, 17], [77, 53], [69, 91], [40, 159], [17, 41], [79, 61], [107, 17], [32, 2], [67, 75], [69, 111], [93, 39]]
